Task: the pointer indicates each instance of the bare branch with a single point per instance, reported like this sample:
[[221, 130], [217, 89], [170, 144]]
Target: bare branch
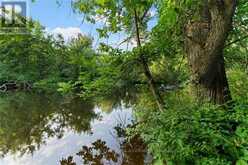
[[145, 13], [238, 40], [125, 40]]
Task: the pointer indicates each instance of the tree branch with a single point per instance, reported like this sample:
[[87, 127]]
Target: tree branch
[[125, 40], [144, 15], [235, 41]]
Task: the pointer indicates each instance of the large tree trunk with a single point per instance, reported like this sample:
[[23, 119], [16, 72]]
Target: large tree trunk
[[205, 42]]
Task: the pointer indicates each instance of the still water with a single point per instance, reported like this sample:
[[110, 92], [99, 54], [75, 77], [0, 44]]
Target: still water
[[40, 129]]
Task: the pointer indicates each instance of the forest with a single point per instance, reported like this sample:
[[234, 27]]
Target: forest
[[185, 76]]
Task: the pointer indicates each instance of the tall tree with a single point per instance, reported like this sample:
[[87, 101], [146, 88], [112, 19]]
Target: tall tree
[[205, 42], [126, 16]]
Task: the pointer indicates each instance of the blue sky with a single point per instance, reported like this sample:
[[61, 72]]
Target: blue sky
[[60, 18], [53, 15]]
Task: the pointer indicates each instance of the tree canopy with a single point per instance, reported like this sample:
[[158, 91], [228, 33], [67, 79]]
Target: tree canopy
[[185, 74]]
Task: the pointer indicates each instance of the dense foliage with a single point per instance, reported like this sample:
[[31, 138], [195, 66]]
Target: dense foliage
[[190, 133], [40, 59], [186, 131]]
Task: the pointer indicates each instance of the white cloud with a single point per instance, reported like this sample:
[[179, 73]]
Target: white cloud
[[1, 12], [8, 13], [18, 9], [68, 33], [153, 13]]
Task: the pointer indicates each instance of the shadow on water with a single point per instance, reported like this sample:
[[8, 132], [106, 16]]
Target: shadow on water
[[27, 120], [47, 129]]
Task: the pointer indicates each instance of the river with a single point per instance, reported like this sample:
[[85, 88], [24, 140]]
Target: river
[[41, 129]]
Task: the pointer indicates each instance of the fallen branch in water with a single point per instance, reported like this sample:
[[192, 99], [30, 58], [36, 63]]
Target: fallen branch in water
[[8, 86], [3, 88]]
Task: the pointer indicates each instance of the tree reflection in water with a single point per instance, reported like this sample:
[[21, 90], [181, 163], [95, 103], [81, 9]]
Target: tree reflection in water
[[28, 120], [132, 152], [96, 154]]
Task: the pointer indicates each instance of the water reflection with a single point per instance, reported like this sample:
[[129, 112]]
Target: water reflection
[[133, 152], [102, 154], [27, 120], [38, 129]]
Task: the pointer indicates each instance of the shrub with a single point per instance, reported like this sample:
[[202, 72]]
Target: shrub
[[198, 134]]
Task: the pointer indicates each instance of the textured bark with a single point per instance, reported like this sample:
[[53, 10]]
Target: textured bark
[[205, 42]]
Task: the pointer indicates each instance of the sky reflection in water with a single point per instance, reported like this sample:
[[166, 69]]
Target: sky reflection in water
[[41, 130]]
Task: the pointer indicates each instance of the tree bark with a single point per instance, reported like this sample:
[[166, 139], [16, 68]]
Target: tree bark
[[205, 42], [147, 72]]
